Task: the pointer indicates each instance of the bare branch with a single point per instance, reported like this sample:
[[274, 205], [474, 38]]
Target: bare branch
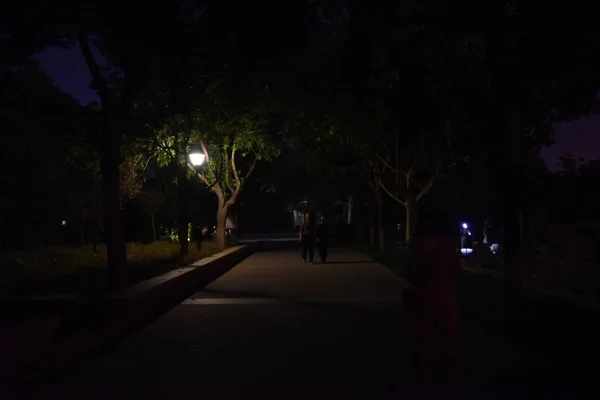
[[383, 166], [205, 151], [236, 175], [426, 188], [368, 178], [207, 158], [392, 195], [251, 168], [429, 184], [386, 164], [202, 177], [239, 180], [410, 177]]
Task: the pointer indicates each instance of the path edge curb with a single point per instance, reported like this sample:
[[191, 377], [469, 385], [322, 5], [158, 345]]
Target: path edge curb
[[135, 306]]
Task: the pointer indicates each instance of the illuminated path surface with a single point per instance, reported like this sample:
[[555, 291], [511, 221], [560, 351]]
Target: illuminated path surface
[[274, 327]]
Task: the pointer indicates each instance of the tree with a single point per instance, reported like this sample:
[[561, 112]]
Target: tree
[[127, 56], [117, 99], [131, 185], [232, 142], [84, 192], [150, 201], [533, 77], [37, 121], [170, 147]]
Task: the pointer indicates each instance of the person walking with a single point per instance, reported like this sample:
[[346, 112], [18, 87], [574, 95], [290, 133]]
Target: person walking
[[199, 234], [323, 233], [434, 268], [307, 238]]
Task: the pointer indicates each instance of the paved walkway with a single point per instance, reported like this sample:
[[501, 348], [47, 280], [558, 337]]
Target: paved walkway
[[274, 327]]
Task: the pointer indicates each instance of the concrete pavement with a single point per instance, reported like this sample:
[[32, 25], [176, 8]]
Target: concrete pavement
[[274, 327]]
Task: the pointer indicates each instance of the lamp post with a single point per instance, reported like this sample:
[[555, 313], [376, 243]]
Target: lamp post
[[196, 155], [197, 158]]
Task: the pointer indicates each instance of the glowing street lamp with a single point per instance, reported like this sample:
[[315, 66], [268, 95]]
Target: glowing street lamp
[[196, 155], [464, 233]]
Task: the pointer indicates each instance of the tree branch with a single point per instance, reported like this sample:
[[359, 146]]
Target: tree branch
[[425, 189], [239, 180], [365, 176], [386, 164], [99, 80], [428, 185], [207, 158], [392, 195], [236, 175], [220, 195], [251, 168], [200, 175], [228, 172]]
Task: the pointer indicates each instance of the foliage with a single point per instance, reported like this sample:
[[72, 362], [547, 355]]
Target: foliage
[[149, 200], [573, 195], [172, 234], [61, 269], [131, 185], [38, 121], [234, 136]]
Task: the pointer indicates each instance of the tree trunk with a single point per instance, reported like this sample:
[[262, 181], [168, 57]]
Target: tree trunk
[[95, 241], [116, 250], [512, 245], [221, 225], [82, 228], [350, 207], [372, 225], [153, 227], [508, 84], [380, 224], [512, 253], [182, 215], [511, 181], [410, 209]]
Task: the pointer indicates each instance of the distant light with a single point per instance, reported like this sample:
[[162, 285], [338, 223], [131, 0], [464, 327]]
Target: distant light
[[466, 251], [197, 159], [465, 226], [494, 248], [63, 223]]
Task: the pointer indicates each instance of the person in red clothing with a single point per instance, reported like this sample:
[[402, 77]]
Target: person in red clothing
[[434, 267]]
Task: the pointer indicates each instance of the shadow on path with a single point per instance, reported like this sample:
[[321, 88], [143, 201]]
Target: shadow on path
[[346, 262]]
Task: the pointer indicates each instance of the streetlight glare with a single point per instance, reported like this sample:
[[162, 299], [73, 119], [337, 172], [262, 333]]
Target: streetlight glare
[[197, 158]]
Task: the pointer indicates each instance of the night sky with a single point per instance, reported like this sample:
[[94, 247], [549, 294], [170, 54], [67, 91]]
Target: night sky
[[67, 67]]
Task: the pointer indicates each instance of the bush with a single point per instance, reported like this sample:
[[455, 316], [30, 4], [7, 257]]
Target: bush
[[76, 269]]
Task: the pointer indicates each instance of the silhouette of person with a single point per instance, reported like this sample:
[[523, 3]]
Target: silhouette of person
[[434, 268], [307, 238], [199, 236], [323, 233]]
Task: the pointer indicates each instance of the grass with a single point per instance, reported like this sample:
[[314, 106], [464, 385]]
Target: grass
[[549, 327], [77, 270]]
